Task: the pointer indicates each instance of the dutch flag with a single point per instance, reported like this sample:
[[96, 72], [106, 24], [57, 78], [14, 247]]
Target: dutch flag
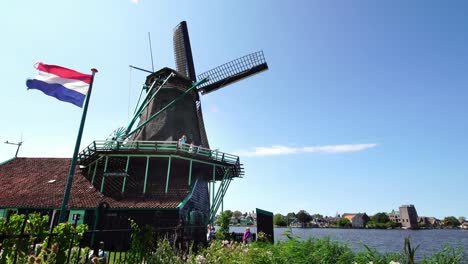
[[64, 84]]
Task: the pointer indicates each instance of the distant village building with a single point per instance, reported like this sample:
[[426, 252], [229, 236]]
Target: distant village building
[[464, 225], [358, 220], [406, 216], [394, 216], [429, 221]]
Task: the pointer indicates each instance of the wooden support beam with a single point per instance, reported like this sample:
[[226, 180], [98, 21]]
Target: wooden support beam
[[126, 171], [168, 173], [94, 173], [190, 174], [146, 174], [103, 177]]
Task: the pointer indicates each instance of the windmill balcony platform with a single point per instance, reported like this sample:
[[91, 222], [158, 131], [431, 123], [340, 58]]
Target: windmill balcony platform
[[105, 148]]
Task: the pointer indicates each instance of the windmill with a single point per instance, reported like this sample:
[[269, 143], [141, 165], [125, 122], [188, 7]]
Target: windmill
[[181, 89], [142, 166]]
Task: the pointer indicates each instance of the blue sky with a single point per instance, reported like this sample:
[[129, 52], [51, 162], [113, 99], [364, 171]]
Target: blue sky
[[363, 108]]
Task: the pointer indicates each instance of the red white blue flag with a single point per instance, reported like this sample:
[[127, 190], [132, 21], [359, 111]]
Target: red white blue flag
[[64, 84]]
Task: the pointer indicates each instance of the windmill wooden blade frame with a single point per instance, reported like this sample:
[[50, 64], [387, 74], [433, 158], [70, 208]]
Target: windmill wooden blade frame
[[233, 71]]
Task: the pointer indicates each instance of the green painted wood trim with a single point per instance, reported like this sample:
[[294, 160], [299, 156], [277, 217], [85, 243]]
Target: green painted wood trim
[[221, 187], [146, 174], [74, 211], [96, 218], [187, 198], [215, 209], [213, 184], [94, 174], [190, 174], [143, 209], [103, 177], [168, 173], [97, 160], [6, 161], [264, 212], [166, 156], [138, 155], [126, 171], [140, 109]]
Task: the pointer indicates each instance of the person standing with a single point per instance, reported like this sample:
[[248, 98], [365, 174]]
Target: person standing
[[182, 141], [208, 233], [247, 236]]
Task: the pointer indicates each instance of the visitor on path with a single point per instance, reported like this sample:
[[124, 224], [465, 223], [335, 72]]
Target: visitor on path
[[213, 232], [100, 255], [247, 236], [208, 234]]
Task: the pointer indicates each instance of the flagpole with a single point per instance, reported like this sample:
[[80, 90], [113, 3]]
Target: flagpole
[[71, 172]]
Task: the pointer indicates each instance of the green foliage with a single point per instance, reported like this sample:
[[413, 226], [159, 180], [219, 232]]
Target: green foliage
[[450, 221], [303, 217], [375, 257], [409, 251], [229, 213], [142, 244], [317, 216], [447, 255], [33, 228], [280, 220], [372, 224], [343, 222], [67, 235], [223, 223], [164, 254], [291, 215], [237, 214], [380, 218]]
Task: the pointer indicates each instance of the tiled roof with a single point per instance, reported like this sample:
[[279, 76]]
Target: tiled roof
[[40, 183], [348, 216]]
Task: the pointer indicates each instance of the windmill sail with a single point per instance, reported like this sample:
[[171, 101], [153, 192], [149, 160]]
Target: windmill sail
[[233, 71], [183, 51]]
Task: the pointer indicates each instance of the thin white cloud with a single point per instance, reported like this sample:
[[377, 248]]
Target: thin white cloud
[[284, 150], [135, 1]]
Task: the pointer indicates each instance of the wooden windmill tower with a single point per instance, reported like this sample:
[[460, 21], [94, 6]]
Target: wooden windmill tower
[[143, 162], [186, 117]]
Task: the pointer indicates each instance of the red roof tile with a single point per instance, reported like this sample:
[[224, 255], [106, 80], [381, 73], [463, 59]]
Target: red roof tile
[[40, 183]]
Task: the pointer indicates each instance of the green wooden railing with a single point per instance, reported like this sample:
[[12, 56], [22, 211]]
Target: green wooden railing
[[143, 147]]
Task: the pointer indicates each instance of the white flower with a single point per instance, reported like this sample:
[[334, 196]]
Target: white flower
[[394, 262], [200, 259]]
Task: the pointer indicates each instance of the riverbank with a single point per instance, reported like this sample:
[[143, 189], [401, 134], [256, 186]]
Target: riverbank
[[382, 240]]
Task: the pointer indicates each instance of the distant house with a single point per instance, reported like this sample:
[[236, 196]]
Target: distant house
[[358, 220], [409, 216], [429, 221], [394, 216], [330, 221], [464, 225], [406, 216]]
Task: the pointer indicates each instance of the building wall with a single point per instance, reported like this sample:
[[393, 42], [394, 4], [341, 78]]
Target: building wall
[[195, 212], [408, 216]]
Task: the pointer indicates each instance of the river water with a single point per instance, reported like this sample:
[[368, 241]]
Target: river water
[[430, 241]]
